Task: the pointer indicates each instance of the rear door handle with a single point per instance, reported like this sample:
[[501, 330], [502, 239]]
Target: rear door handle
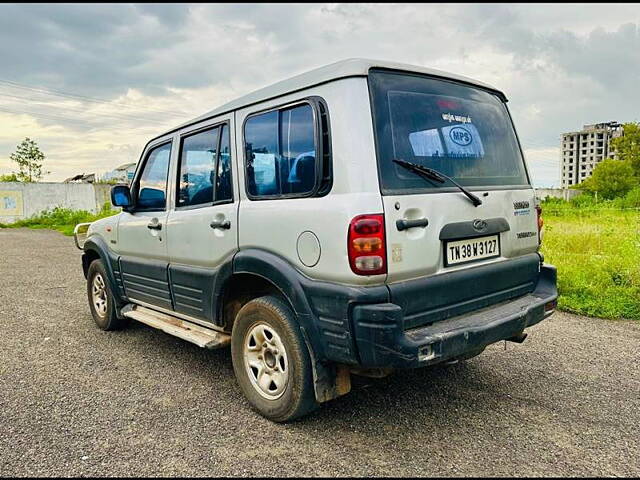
[[404, 224], [223, 224], [154, 225]]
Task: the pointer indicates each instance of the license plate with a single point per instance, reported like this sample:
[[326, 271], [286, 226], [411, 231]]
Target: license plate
[[471, 249]]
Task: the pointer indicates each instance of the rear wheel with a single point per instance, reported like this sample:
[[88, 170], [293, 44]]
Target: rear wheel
[[271, 361], [101, 300]]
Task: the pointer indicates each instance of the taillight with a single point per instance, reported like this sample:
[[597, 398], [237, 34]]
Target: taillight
[[366, 245], [540, 222]]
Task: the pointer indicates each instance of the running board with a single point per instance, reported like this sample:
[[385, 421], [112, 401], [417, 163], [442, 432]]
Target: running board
[[201, 336]]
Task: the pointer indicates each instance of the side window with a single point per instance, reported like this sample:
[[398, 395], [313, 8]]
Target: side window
[[205, 162], [197, 168], [281, 152], [152, 186], [224, 190]]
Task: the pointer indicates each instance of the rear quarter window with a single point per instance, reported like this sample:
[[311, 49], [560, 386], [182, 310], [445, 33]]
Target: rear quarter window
[[281, 153]]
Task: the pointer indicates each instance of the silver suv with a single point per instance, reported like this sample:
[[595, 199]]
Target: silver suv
[[355, 219]]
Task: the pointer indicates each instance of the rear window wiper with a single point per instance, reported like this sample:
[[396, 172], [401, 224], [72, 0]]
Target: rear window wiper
[[436, 176]]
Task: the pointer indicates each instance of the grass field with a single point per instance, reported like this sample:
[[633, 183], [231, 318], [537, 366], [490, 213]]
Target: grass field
[[597, 252], [62, 219]]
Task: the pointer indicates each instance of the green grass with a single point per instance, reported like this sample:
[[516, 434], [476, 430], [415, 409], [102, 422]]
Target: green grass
[[62, 219], [596, 248]]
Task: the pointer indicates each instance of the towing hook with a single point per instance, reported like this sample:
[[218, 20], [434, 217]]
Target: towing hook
[[519, 338]]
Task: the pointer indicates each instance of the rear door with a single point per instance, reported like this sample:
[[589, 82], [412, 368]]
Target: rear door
[[142, 232], [433, 230], [202, 227]]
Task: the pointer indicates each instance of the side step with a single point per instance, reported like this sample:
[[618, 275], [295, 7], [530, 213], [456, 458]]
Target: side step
[[201, 336]]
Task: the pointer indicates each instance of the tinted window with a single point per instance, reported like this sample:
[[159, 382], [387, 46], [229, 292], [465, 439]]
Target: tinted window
[[197, 168], [152, 193], [223, 179], [281, 152], [461, 131]]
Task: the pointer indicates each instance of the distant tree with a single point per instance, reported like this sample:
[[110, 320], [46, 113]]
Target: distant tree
[[611, 179], [10, 177], [628, 145], [29, 158]]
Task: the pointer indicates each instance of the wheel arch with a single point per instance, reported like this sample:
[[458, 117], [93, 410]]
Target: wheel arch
[[277, 276], [95, 248]]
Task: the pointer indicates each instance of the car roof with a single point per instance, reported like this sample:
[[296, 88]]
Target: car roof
[[353, 67]]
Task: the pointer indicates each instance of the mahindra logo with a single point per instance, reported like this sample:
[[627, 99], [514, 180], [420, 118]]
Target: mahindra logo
[[479, 225]]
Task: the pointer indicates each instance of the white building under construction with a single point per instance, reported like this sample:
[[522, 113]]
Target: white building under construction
[[583, 150]]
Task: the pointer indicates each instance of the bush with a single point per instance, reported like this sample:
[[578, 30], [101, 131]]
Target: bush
[[584, 200], [610, 179], [630, 200], [10, 177]]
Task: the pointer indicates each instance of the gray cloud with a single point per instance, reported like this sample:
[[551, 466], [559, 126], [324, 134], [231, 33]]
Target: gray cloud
[[560, 65]]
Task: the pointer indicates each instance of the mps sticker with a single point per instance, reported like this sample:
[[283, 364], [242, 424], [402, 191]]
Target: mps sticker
[[461, 136], [462, 141]]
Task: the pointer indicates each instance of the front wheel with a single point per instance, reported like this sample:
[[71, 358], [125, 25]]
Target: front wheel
[[271, 361], [101, 300]]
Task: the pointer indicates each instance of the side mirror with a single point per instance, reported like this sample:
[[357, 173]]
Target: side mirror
[[121, 197]]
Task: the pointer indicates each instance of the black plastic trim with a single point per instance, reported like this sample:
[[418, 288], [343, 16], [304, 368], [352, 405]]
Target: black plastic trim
[[383, 341], [459, 230], [323, 308], [437, 297], [404, 224], [146, 281], [110, 262]]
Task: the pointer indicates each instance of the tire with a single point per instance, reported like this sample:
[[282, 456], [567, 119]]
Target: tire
[[271, 361], [101, 300]]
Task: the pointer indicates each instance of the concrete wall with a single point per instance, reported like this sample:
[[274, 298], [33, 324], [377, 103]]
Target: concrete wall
[[23, 200], [103, 194], [564, 193]]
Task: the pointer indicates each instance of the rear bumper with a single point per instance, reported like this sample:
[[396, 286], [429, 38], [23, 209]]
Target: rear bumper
[[382, 341]]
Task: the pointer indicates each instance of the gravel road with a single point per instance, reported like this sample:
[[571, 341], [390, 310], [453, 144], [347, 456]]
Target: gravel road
[[78, 401]]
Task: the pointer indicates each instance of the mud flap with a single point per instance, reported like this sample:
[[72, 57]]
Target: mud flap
[[329, 380]]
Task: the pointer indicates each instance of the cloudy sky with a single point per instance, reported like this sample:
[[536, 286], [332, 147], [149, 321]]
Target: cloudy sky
[[92, 83]]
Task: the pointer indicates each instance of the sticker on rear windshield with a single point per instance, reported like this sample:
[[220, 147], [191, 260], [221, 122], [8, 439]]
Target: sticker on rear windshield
[[450, 117], [453, 141], [460, 136], [462, 141]]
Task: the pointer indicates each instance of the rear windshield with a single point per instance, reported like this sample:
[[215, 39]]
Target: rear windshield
[[461, 131]]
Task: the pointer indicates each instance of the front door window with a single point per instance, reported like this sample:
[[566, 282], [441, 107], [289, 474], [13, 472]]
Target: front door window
[[152, 186]]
